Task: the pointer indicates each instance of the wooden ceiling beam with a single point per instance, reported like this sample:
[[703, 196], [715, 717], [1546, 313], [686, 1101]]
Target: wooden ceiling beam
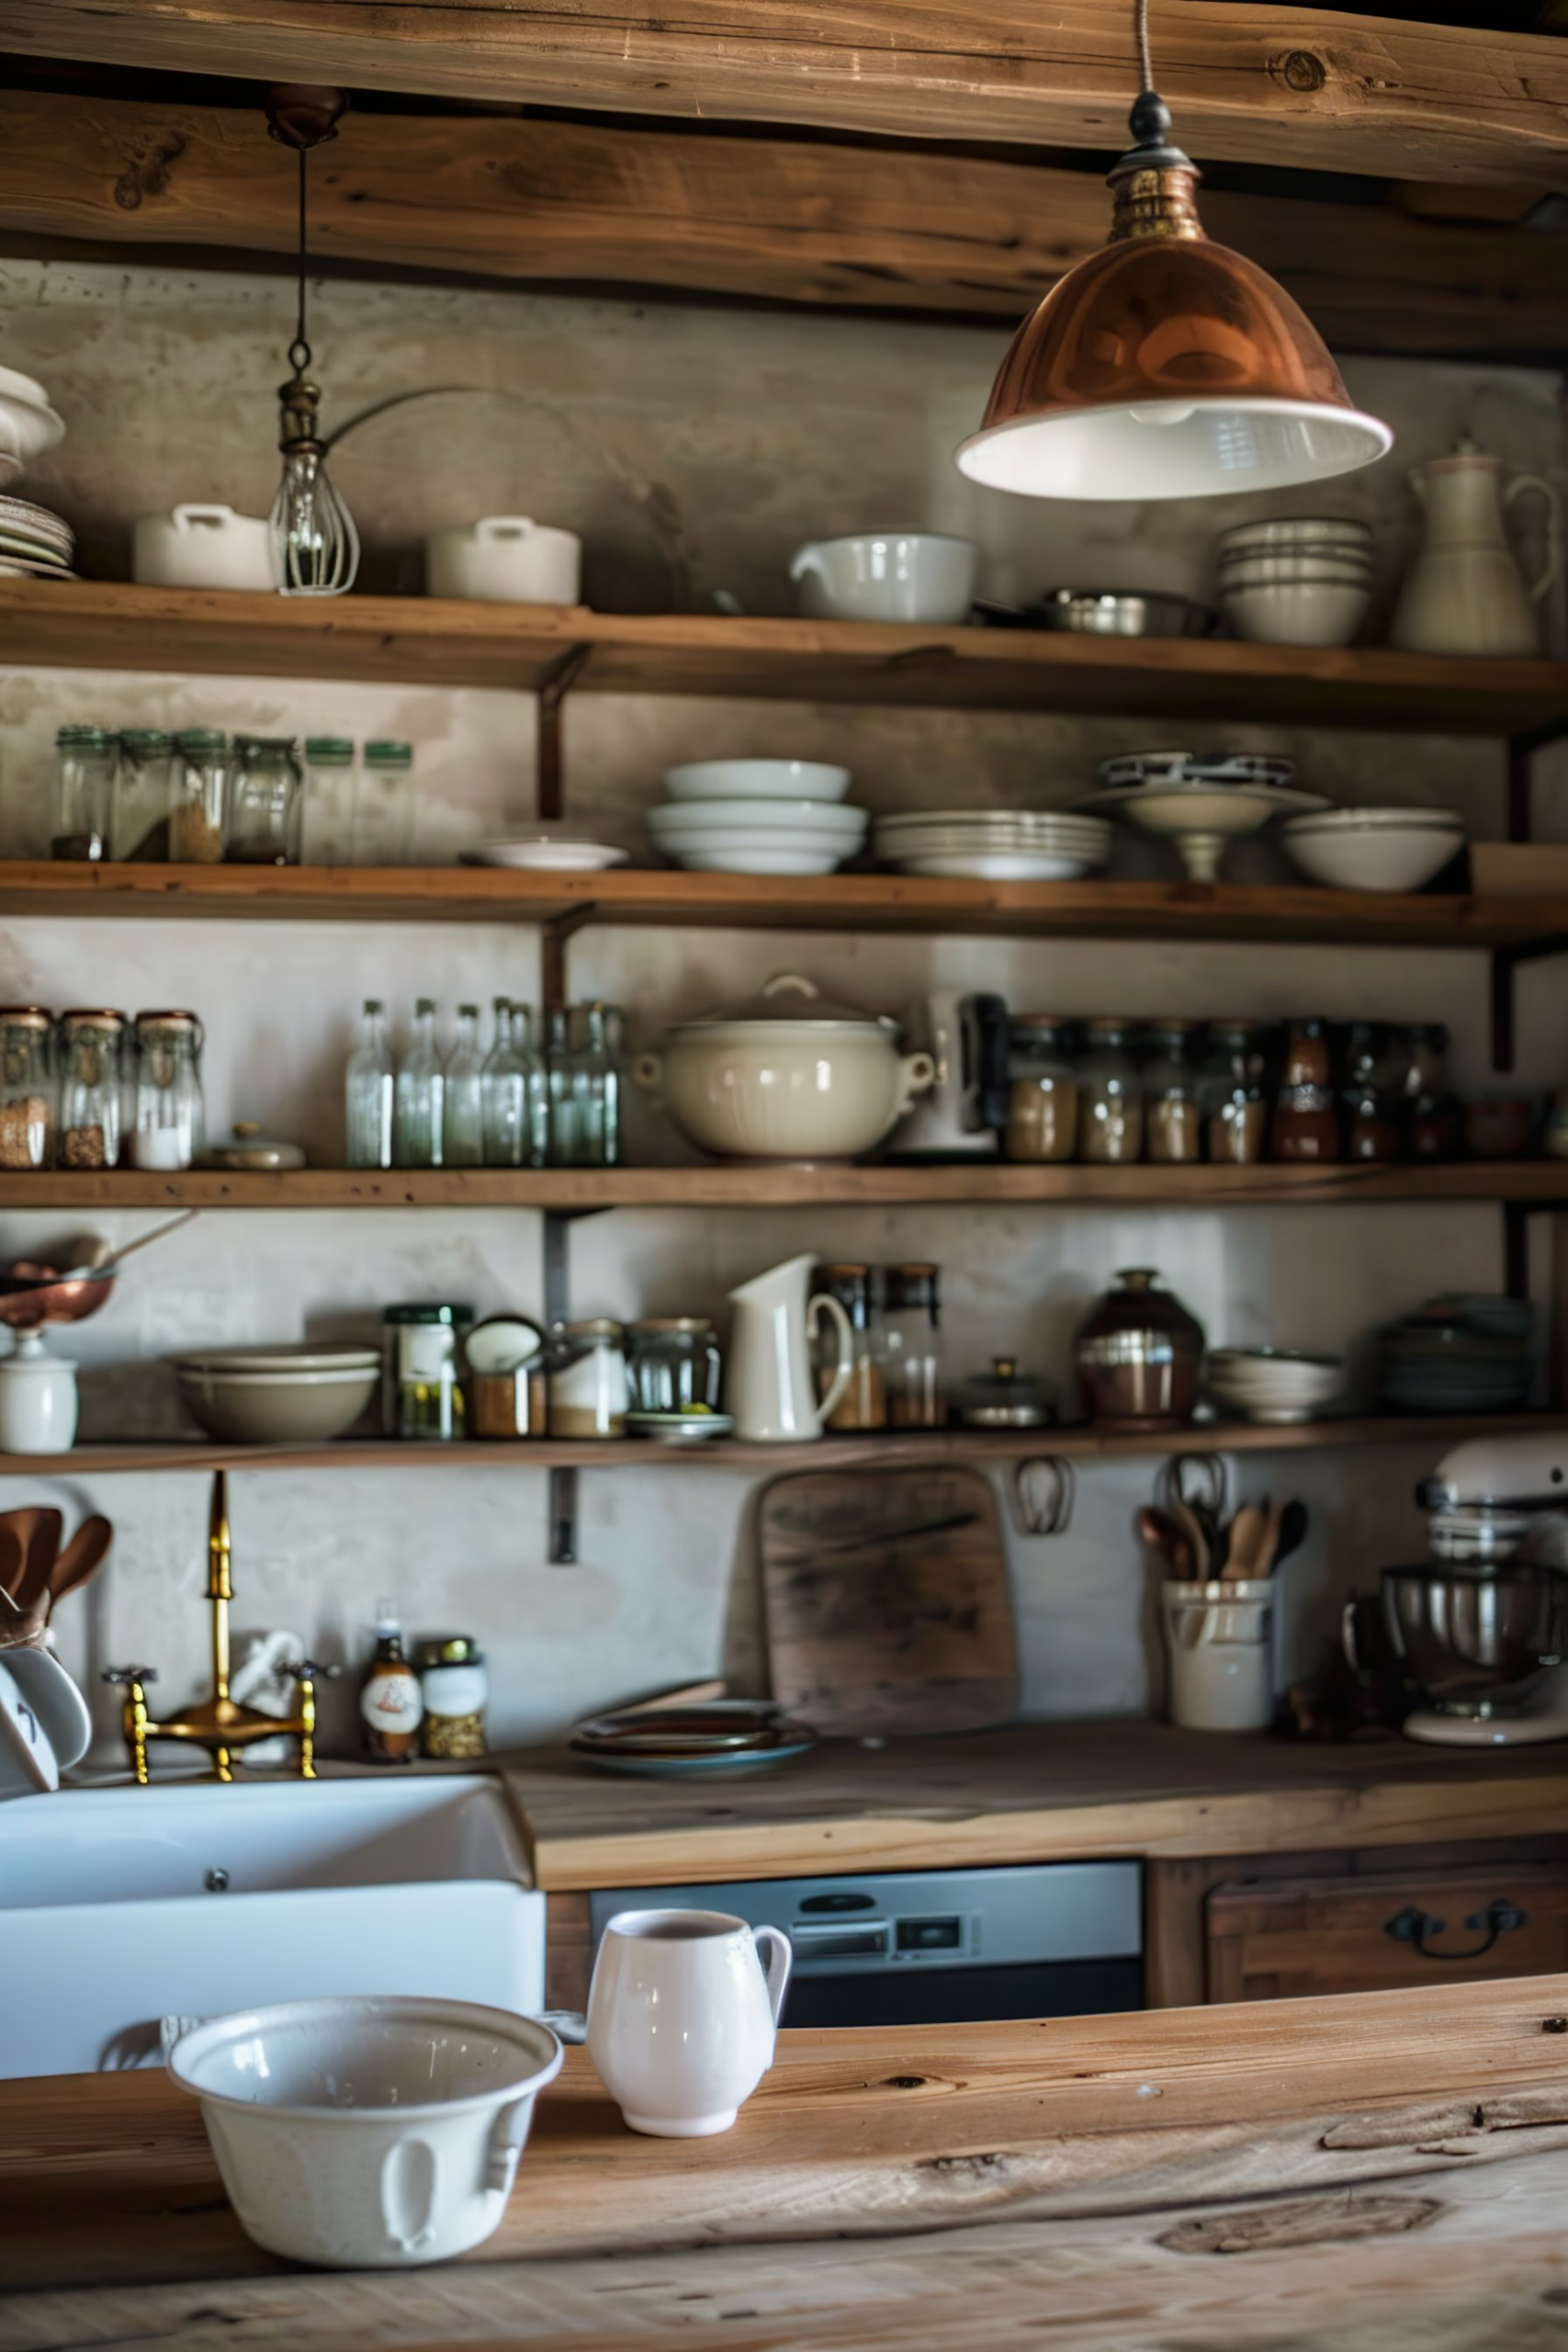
[[1319, 88], [503, 196]]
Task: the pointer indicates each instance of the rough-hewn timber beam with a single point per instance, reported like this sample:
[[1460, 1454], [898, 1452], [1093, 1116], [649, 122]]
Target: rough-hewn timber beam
[[1315, 87]]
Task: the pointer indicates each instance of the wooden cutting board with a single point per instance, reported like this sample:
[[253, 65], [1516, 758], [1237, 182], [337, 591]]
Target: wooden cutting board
[[885, 1601]]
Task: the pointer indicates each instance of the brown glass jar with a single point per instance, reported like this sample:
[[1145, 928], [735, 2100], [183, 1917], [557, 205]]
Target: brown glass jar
[[1236, 1115], [864, 1405], [911, 1336], [1371, 1099], [1140, 1356], [1306, 1118], [1042, 1091]]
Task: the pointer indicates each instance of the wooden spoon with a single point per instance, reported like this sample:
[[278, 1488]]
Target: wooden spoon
[[1160, 1532], [1246, 1533], [1192, 1532], [38, 1533], [1263, 1557], [81, 1558]]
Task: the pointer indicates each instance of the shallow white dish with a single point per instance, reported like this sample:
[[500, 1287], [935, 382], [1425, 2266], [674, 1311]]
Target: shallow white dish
[[1199, 816], [1309, 613], [998, 866], [367, 2134], [757, 780], [749, 859], [539, 855], [1377, 820], [714, 837], [760, 816], [1379, 858]]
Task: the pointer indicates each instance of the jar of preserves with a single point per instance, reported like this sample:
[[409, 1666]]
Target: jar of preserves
[[1231, 1094], [864, 1405], [588, 1378], [673, 1364], [1306, 1118], [455, 1690], [1043, 1089], [1372, 1077], [1111, 1094], [84, 793], [421, 1387], [92, 1088], [198, 814], [505, 1387], [265, 802], [1172, 1120], [27, 1087], [168, 1123], [144, 795], [911, 1339]]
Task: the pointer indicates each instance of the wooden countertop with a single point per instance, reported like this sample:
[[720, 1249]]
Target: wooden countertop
[[1033, 1792], [1392, 2166]]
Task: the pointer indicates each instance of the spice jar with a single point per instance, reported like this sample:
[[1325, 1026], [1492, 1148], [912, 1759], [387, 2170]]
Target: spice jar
[[506, 1389], [92, 1089], [328, 826], [1110, 1095], [588, 1379], [1434, 1117], [27, 1087], [1372, 1094], [422, 1391], [911, 1339], [384, 805], [864, 1405], [143, 793], [265, 802], [1230, 1094], [673, 1364], [1171, 1117], [1306, 1122], [199, 796], [84, 793], [169, 1120], [1140, 1355], [1042, 1091], [456, 1690]]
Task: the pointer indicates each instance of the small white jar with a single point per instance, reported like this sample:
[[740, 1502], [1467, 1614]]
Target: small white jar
[[38, 1399]]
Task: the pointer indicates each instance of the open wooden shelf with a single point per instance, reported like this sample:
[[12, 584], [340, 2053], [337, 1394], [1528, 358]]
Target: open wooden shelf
[[418, 640], [857, 902], [754, 1184], [879, 1452]]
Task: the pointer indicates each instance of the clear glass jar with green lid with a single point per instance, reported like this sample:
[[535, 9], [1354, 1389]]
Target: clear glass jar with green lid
[[84, 793], [265, 802], [328, 831], [198, 816], [383, 805], [422, 1368], [144, 795]]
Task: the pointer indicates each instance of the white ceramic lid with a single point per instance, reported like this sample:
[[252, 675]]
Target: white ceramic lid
[[790, 1000]]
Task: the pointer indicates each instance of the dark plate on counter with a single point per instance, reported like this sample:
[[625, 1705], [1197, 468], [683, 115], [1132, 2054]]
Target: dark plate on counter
[[716, 1735]]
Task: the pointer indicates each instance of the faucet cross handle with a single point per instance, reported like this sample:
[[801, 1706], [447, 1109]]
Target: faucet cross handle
[[142, 1674], [137, 1721], [311, 1669]]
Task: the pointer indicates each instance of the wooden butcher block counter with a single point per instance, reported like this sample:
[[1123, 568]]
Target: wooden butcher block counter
[[1387, 2173]]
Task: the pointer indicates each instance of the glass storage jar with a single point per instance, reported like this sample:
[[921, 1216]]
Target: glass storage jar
[[328, 827], [1306, 1118], [1172, 1121], [265, 802], [911, 1339], [588, 1379], [1110, 1095], [673, 1364], [198, 816], [1231, 1094], [1373, 1081], [92, 1088], [422, 1370], [84, 793], [1433, 1115], [144, 795], [27, 1087], [168, 1125], [384, 805], [864, 1405], [456, 1690], [505, 1386], [1043, 1089]]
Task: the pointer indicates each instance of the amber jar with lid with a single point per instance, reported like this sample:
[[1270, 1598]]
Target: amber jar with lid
[[864, 1405], [1231, 1094], [1140, 1355], [1306, 1117], [1043, 1089]]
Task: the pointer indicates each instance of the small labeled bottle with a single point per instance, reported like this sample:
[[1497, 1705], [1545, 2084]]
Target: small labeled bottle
[[391, 1705]]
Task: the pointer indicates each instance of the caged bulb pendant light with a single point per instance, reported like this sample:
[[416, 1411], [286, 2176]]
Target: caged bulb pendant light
[[315, 548], [1165, 365]]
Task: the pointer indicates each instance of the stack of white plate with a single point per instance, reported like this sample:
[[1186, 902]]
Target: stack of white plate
[[1305, 581], [757, 817], [34, 544], [1274, 1385], [995, 844], [1374, 849]]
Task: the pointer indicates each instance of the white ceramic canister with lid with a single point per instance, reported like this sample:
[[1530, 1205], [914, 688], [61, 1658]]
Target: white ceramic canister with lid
[[38, 1399]]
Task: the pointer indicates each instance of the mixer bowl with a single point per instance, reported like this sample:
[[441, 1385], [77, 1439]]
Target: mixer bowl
[[1465, 1636]]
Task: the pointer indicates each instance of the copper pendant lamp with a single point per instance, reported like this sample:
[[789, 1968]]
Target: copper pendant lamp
[[1165, 365]]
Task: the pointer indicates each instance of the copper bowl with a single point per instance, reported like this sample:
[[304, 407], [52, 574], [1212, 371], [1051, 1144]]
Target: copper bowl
[[32, 1296]]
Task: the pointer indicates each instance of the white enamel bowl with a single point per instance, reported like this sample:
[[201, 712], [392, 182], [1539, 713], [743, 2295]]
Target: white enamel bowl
[[28, 425], [1306, 611], [1272, 1384], [757, 780], [1373, 857], [306, 1403], [367, 2134], [1292, 532], [760, 816]]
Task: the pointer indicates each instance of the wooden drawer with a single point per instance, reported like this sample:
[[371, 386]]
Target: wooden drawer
[[1270, 1938]]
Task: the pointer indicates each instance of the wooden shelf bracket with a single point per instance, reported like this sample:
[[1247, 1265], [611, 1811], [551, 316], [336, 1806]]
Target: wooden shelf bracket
[[1505, 962], [563, 1502], [553, 689]]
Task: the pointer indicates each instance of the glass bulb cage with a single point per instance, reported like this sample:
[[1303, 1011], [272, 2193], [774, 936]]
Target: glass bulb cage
[[315, 546], [1165, 365]]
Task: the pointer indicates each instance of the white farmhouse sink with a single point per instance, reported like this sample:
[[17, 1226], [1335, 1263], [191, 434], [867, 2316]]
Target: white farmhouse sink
[[121, 1906]]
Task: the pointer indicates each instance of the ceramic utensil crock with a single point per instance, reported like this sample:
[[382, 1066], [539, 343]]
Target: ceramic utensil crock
[[370, 2133], [1464, 593], [682, 2019]]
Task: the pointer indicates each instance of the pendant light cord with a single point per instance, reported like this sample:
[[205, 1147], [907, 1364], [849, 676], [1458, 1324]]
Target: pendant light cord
[[1141, 37], [299, 349]]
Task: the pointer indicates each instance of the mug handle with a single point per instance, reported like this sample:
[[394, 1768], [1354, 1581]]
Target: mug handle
[[779, 1962], [408, 2195], [824, 1303], [1553, 564], [807, 559]]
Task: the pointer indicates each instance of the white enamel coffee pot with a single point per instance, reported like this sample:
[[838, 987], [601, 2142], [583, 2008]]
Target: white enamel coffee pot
[[770, 1390], [1464, 593]]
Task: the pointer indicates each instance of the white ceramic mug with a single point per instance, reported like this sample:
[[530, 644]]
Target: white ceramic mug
[[886, 576], [682, 2019], [504, 559]]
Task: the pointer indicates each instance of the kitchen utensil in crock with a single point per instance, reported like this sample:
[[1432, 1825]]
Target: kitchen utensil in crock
[[38, 1532], [81, 1559], [1244, 1539], [1163, 1535]]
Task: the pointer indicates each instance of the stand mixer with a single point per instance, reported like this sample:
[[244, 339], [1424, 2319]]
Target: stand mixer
[[1483, 1630]]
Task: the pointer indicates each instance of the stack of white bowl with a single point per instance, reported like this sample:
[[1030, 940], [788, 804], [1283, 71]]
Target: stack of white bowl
[[757, 817], [284, 1395], [35, 544], [995, 844], [1374, 849], [1274, 1385], [1306, 581]]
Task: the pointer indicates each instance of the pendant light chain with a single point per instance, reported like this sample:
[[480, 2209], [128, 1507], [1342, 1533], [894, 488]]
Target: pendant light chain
[[299, 349], [1141, 37]]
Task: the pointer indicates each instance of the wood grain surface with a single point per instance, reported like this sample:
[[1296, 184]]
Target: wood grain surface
[[885, 1601]]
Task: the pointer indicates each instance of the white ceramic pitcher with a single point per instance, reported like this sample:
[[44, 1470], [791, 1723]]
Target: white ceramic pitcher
[[1464, 593], [770, 1390], [681, 2015]]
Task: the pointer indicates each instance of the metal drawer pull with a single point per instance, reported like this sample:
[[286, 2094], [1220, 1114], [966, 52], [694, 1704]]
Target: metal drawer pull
[[1413, 1927]]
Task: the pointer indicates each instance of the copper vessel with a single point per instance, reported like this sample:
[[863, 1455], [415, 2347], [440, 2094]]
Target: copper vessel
[[1140, 1356]]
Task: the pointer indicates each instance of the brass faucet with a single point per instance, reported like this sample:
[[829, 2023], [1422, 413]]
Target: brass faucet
[[218, 1724]]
